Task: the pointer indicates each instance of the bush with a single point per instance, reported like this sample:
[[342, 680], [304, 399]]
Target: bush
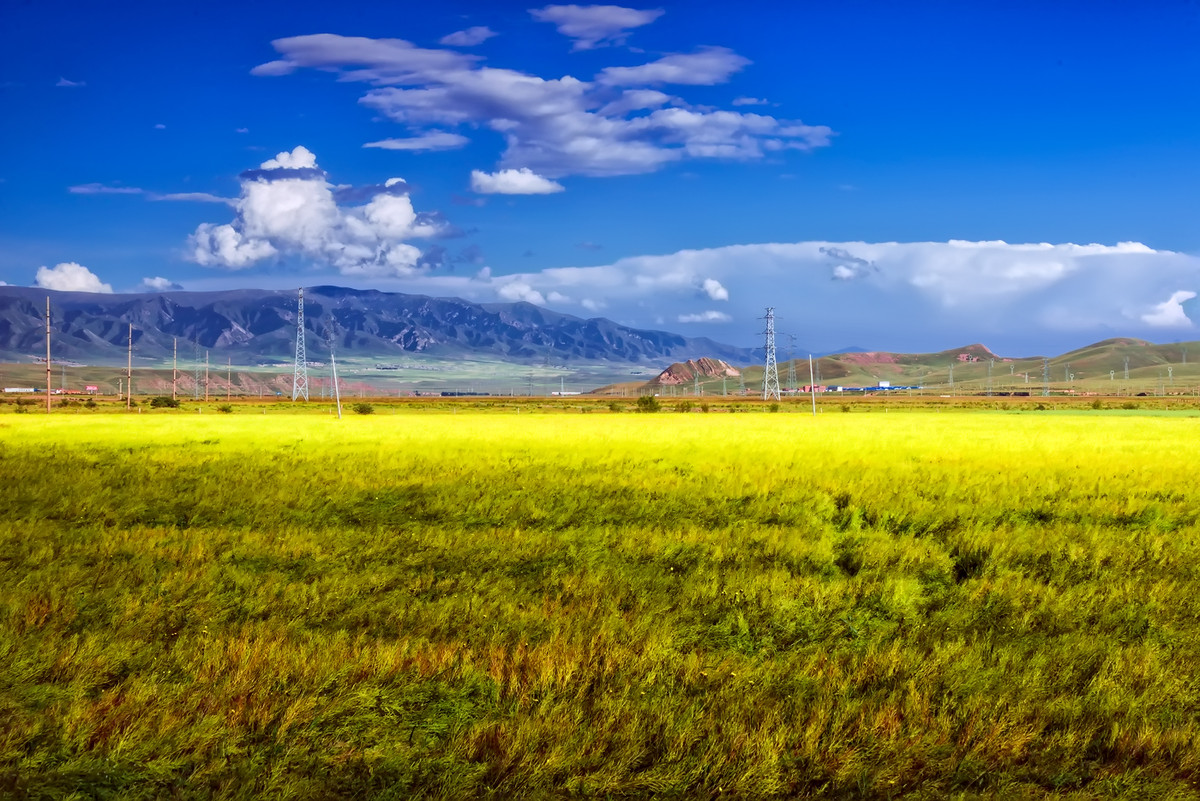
[[363, 408], [648, 403], [686, 406], [613, 406], [774, 407], [1096, 404], [164, 402], [225, 408], [704, 407], [90, 403], [845, 408], [1129, 405]]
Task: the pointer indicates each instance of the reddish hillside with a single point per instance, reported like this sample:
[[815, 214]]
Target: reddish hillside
[[686, 372]]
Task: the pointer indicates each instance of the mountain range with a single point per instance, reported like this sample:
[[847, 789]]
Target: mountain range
[[252, 325]]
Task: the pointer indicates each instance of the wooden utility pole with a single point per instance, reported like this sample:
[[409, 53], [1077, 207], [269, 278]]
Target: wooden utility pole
[[174, 365], [129, 372], [47, 354], [206, 376]]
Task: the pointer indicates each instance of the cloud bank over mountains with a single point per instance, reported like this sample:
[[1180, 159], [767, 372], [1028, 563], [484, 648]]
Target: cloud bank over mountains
[[901, 295], [915, 296]]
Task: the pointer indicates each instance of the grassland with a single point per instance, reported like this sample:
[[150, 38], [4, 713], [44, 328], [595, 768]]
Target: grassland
[[439, 603]]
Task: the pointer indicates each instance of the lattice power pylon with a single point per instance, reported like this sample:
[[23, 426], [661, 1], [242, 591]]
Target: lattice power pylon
[[792, 384], [771, 370], [300, 371]]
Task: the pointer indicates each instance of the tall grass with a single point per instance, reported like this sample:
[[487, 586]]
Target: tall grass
[[457, 605]]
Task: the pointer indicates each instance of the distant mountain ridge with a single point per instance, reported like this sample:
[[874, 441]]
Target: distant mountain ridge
[[259, 325]]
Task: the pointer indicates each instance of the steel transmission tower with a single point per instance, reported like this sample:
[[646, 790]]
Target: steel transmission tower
[[1045, 377], [771, 370], [300, 371], [196, 369], [791, 375]]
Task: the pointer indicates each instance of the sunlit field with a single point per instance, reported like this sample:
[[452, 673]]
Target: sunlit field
[[438, 604]]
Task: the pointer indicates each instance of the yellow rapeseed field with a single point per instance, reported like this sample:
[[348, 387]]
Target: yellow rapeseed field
[[451, 604]]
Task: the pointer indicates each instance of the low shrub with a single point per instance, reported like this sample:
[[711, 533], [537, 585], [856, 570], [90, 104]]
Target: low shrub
[[648, 403]]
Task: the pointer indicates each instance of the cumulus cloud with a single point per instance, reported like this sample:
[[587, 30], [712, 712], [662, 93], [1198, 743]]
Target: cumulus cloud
[[158, 284], [615, 124], [433, 140], [287, 207], [512, 182], [595, 26], [468, 38], [519, 291], [709, 316], [71, 277], [714, 289], [848, 267], [1170, 313]]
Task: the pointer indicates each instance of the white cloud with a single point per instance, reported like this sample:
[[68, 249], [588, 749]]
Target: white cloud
[[553, 127], [195, 197], [1020, 299], [468, 38], [380, 61], [1170, 313], [595, 26], [714, 289], [519, 291], [158, 284], [287, 208], [709, 316], [71, 277], [63, 82], [512, 182], [433, 140], [159, 127], [705, 67], [749, 101], [101, 189]]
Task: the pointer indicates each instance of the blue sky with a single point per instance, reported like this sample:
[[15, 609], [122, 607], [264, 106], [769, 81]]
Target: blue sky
[[897, 176]]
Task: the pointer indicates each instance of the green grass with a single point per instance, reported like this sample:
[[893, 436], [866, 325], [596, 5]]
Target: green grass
[[457, 605]]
